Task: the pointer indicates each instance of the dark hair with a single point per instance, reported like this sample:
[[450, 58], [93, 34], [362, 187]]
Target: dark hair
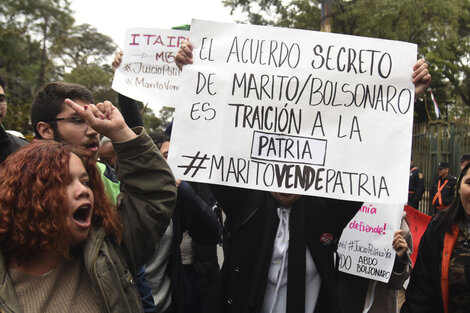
[[159, 139], [456, 211], [2, 83], [49, 102], [33, 184]]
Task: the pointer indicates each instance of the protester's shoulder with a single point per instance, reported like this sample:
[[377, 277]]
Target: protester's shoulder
[[20, 142]]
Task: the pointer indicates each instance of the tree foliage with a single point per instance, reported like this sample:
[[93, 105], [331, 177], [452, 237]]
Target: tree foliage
[[84, 45], [39, 43], [441, 29], [95, 78]]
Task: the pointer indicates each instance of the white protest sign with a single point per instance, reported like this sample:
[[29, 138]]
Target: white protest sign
[[148, 72], [365, 247], [295, 111]]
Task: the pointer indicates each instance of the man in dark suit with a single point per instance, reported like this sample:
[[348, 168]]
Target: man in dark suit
[[278, 249]]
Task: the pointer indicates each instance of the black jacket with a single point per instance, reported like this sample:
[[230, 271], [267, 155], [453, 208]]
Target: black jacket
[[423, 294], [251, 228], [197, 217], [9, 144]]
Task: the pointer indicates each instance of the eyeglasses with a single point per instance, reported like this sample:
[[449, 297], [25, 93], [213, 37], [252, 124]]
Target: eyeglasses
[[3, 99], [75, 120]]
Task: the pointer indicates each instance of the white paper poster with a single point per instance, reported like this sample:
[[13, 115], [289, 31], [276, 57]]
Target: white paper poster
[[148, 72], [295, 111], [365, 247]]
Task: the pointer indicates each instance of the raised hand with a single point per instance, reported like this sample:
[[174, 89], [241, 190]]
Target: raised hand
[[421, 77], [117, 61], [184, 55], [399, 244], [104, 118]]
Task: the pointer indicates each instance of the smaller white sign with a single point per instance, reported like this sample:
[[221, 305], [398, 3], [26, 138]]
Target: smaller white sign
[[148, 72], [365, 247]]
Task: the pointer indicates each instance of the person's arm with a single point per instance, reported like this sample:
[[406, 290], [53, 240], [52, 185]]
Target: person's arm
[[148, 194], [402, 266], [148, 190], [130, 111], [198, 217]]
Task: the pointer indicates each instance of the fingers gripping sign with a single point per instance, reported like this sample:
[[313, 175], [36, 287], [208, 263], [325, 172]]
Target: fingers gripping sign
[[117, 61], [185, 55], [421, 77], [399, 243], [105, 119]]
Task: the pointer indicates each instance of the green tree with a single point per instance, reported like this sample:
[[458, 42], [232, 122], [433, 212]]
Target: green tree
[[48, 20], [96, 78], [39, 44], [84, 45], [28, 28], [166, 115]]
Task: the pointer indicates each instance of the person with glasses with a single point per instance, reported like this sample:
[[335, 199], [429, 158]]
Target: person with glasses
[[8, 142], [64, 247], [52, 119]]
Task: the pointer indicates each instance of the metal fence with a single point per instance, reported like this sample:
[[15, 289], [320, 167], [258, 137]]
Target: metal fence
[[439, 141]]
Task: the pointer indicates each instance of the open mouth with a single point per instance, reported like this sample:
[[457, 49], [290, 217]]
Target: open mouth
[[82, 215], [93, 146]]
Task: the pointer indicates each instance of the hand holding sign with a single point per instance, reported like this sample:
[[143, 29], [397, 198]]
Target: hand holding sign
[[117, 61], [421, 77], [185, 55], [146, 70], [399, 244]]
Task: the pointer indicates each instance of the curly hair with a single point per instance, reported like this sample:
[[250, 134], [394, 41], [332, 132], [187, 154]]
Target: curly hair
[[33, 183]]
